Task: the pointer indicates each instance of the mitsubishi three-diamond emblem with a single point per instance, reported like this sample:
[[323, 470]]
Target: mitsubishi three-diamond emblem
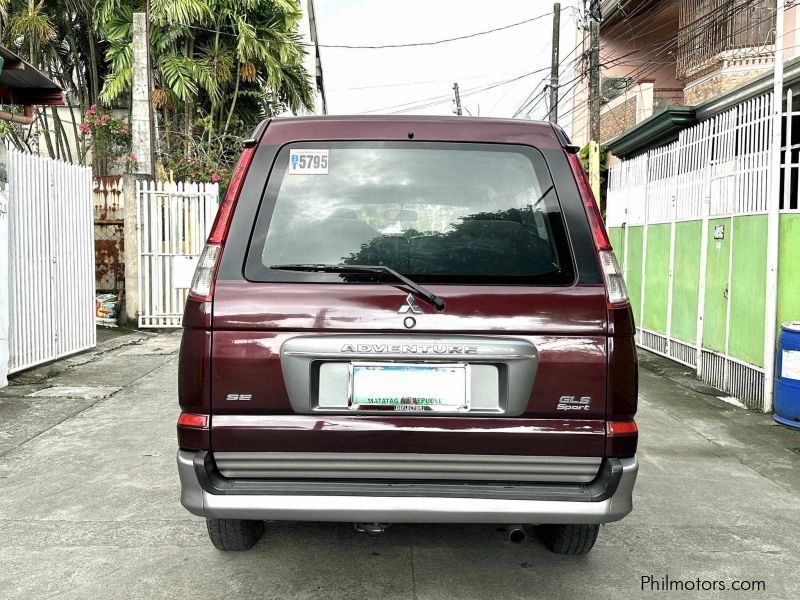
[[409, 306]]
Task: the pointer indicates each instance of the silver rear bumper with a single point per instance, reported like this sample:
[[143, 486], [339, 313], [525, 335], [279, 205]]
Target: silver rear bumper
[[386, 508]]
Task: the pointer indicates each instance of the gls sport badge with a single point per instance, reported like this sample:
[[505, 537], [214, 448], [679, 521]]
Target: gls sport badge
[[573, 403]]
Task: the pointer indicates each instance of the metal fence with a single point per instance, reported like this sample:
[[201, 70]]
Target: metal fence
[[109, 234], [51, 260], [688, 221], [3, 278], [174, 220], [712, 31]]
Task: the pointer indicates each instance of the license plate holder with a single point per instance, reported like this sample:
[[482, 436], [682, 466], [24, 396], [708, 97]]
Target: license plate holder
[[409, 387]]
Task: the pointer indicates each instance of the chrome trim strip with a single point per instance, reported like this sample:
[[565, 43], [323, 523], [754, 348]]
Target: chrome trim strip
[[519, 360], [311, 465], [403, 509], [353, 422], [399, 356], [308, 422]]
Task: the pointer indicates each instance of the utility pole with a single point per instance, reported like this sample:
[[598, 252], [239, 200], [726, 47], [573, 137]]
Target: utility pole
[[457, 99], [150, 113], [594, 97], [141, 128], [553, 116], [773, 213]]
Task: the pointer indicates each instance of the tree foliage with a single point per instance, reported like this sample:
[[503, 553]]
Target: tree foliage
[[56, 37], [218, 67]]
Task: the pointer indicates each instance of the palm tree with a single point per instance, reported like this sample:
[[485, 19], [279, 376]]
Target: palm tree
[[57, 37], [218, 66]]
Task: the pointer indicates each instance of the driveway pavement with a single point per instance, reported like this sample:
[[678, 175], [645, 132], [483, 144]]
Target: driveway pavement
[[89, 506]]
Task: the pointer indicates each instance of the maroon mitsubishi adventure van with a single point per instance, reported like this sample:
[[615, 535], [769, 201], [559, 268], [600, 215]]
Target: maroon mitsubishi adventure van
[[413, 319]]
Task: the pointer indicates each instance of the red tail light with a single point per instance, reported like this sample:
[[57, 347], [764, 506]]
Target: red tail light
[[193, 432], [219, 231], [202, 289], [623, 378], [193, 421], [615, 284], [622, 428], [621, 438], [593, 212]]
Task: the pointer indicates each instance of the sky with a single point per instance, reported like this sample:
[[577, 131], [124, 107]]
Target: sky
[[384, 81]]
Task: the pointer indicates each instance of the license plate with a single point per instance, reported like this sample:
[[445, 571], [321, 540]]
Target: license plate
[[409, 387]]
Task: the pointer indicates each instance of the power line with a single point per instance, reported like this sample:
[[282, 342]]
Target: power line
[[404, 84], [535, 101], [708, 21], [646, 67], [563, 98], [669, 42], [531, 96], [434, 100], [499, 100], [387, 46]]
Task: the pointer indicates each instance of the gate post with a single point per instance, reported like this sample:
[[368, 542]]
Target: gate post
[[130, 217], [701, 286], [673, 217], [4, 280]]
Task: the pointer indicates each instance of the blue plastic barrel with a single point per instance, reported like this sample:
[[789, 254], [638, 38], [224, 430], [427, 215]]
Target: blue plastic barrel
[[787, 382]]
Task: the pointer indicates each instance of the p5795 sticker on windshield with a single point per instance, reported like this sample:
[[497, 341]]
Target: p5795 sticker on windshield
[[308, 162]]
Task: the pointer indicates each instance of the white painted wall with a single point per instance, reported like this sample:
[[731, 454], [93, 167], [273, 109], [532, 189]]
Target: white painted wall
[[4, 310]]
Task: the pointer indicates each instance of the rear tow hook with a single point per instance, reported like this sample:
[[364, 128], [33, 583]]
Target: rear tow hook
[[371, 529]]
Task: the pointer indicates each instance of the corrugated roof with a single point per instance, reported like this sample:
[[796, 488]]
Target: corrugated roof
[[22, 83]]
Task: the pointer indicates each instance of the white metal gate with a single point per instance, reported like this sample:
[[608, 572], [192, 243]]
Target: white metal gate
[[51, 260], [717, 170], [174, 220]]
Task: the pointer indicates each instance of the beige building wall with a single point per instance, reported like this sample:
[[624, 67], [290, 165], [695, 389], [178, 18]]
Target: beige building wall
[[627, 50]]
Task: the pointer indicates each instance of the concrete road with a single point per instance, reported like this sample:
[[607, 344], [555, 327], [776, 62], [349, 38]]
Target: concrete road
[[89, 507]]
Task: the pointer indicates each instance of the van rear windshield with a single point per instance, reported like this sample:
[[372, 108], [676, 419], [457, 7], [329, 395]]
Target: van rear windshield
[[435, 212]]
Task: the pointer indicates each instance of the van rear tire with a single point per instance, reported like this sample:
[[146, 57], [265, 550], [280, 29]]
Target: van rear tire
[[234, 534], [568, 539]]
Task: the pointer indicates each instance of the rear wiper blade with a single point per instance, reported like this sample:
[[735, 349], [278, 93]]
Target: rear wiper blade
[[432, 298]]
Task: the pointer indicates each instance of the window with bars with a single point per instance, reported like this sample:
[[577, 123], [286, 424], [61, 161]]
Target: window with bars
[[711, 31]]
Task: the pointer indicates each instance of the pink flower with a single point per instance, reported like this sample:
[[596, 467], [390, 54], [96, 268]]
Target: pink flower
[[104, 119], [84, 128], [215, 178], [192, 174], [92, 109], [132, 157], [124, 129]]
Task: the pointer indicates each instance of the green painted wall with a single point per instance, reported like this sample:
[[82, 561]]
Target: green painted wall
[[789, 269], [657, 278], [748, 289], [686, 280], [633, 280], [716, 303], [617, 237]]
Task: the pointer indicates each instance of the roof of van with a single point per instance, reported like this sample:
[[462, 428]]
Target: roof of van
[[416, 119], [417, 127]]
